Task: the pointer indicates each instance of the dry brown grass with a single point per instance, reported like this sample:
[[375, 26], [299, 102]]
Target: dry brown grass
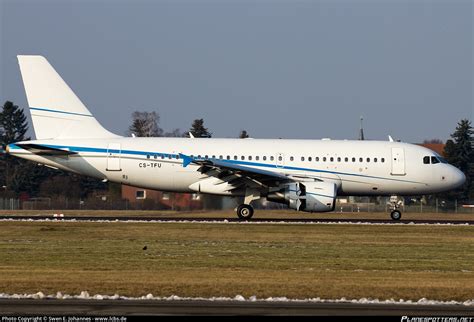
[[297, 261], [259, 213]]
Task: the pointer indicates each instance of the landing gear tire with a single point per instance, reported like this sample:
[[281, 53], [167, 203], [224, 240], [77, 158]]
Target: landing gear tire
[[396, 215], [245, 212]]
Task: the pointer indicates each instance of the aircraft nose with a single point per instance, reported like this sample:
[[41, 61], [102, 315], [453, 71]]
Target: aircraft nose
[[458, 177]]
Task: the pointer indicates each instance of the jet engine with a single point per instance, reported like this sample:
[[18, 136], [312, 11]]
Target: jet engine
[[311, 196]]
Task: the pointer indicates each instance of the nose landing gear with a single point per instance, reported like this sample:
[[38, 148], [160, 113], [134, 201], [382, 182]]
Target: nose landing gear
[[395, 204], [396, 214]]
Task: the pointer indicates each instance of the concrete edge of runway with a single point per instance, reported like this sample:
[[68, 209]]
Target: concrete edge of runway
[[23, 307]]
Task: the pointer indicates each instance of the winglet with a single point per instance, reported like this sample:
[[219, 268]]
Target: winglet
[[390, 138], [186, 159]]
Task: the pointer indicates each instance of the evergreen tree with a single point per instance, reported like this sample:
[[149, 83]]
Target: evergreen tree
[[13, 124], [90, 185], [198, 129], [27, 177], [13, 127], [460, 153]]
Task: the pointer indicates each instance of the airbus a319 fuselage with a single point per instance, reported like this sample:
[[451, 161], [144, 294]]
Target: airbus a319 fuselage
[[307, 175]]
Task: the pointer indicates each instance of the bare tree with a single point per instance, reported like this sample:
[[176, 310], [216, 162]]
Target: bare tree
[[145, 124], [433, 141], [176, 133]]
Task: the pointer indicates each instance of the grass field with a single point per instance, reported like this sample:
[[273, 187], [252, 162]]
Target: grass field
[[191, 259]]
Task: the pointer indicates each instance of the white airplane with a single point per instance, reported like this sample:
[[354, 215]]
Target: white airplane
[[306, 175]]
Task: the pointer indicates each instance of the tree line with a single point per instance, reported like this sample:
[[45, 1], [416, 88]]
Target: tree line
[[25, 179], [147, 124]]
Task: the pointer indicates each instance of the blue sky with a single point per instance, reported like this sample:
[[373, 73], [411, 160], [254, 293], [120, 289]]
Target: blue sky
[[291, 69]]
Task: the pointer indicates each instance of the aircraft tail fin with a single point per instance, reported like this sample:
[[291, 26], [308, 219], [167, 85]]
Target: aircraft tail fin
[[55, 110]]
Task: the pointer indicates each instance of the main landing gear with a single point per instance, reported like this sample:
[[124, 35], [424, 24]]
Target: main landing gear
[[395, 204], [245, 212]]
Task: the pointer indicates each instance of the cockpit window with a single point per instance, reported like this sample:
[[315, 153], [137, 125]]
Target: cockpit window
[[442, 160], [434, 160]]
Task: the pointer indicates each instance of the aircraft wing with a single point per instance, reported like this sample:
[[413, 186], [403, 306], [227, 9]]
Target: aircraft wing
[[44, 150], [235, 174]]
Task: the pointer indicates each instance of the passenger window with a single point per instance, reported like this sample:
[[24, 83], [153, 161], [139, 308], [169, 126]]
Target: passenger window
[[291, 158], [250, 158], [375, 159], [257, 158], [228, 157], [310, 159], [426, 160], [383, 160], [220, 157], [280, 158], [147, 156], [332, 159], [346, 159], [353, 159], [434, 160], [272, 158], [324, 159], [302, 158], [316, 159], [162, 156], [213, 156], [368, 159], [242, 157], [264, 158], [338, 159], [361, 160], [235, 157]]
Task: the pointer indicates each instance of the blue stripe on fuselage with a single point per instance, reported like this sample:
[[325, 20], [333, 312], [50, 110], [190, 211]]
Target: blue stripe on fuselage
[[238, 162]]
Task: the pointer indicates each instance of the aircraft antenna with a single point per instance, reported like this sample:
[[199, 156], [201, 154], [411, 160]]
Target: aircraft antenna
[[361, 131]]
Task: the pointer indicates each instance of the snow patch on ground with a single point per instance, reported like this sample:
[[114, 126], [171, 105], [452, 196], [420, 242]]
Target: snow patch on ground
[[84, 295], [226, 222]]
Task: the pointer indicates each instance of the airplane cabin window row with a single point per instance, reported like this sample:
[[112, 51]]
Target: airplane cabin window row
[[280, 158]]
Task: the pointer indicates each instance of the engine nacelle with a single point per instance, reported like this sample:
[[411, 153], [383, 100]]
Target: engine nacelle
[[311, 196]]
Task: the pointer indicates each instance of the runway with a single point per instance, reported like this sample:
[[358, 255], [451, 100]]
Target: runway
[[152, 307], [235, 220]]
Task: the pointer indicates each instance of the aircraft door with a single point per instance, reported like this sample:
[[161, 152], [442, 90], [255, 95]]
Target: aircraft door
[[113, 157], [398, 162]]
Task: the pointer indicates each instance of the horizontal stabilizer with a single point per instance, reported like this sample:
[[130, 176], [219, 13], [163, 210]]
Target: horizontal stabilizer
[[44, 150]]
